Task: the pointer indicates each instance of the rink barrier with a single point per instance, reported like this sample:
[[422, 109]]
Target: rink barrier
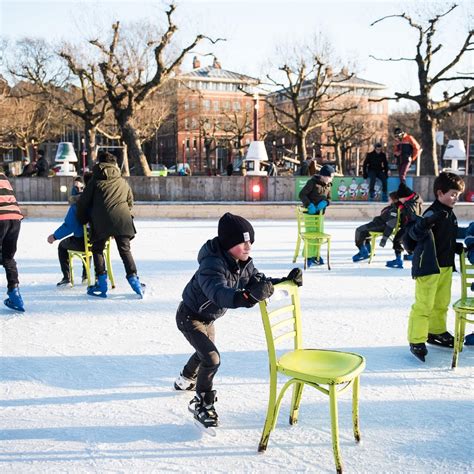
[[337, 211]]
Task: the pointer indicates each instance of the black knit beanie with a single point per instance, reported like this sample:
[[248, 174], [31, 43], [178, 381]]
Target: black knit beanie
[[404, 191], [233, 230]]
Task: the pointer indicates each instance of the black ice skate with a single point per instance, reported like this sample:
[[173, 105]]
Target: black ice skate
[[202, 407], [445, 339], [419, 350]]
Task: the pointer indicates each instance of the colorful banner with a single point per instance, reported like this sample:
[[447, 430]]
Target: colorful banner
[[353, 188]]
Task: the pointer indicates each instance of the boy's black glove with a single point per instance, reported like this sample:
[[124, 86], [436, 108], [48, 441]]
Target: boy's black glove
[[296, 276], [242, 299], [258, 289], [383, 241], [431, 220], [459, 248]]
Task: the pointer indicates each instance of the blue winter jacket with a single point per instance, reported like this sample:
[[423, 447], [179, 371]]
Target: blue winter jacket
[[71, 225], [211, 290]]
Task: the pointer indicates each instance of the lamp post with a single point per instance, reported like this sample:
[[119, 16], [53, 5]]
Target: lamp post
[[274, 143], [184, 152], [255, 117], [84, 155]]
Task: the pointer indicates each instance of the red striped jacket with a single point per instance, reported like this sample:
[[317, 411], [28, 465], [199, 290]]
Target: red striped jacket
[[9, 209]]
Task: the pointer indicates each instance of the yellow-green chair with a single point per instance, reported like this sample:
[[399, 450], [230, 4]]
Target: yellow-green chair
[[311, 234], [463, 307], [374, 235], [330, 372], [86, 258]]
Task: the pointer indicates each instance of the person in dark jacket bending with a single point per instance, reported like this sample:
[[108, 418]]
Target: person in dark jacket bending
[[226, 278], [376, 167], [433, 237], [106, 203]]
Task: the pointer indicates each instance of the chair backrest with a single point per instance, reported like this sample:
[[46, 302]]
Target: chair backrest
[[281, 316], [467, 275], [309, 222], [87, 243], [397, 225]]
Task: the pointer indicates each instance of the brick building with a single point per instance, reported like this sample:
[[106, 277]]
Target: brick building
[[212, 119]]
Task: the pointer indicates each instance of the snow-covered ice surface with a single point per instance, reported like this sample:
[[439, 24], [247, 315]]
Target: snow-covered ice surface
[[85, 384]]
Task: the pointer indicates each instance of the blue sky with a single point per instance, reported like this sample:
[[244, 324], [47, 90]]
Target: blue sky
[[253, 29]]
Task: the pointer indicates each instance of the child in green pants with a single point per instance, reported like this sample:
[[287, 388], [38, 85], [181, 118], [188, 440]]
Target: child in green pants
[[433, 237]]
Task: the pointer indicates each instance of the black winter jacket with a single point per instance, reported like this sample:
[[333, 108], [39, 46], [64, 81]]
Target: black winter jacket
[[211, 290], [106, 203], [435, 247], [386, 220], [376, 162], [315, 191]]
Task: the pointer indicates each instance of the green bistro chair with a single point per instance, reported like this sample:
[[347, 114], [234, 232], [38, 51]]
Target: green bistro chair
[[311, 234], [463, 308], [86, 258], [374, 235], [330, 372]]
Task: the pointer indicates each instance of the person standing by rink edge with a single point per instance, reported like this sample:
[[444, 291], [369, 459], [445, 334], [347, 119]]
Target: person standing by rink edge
[[10, 223], [406, 150], [376, 167], [226, 278], [106, 203]]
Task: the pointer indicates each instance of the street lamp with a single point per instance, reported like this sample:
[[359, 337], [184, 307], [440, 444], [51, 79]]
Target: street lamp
[[255, 117], [83, 154]]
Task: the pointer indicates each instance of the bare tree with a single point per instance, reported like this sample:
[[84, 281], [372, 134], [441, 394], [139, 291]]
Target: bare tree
[[64, 80], [431, 111], [125, 70], [236, 127], [308, 94]]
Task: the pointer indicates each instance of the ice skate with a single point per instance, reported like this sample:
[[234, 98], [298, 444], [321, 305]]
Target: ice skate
[[419, 350], [14, 300], [363, 254], [397, 263], [444, 340], [65, 282], [202, 407], [183, 383], [100, 288], [469, 340], [137, 287]]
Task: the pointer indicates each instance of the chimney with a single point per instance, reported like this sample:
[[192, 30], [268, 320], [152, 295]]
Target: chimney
[[196, 63], [216, 64], [328, 71], [345, 71]]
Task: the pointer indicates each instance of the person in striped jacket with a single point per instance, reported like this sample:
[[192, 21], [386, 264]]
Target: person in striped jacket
[[10, 222]]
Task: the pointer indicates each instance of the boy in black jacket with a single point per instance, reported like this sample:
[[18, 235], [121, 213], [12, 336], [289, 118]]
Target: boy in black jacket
[[385, 222], [226, 278], [434, 235]]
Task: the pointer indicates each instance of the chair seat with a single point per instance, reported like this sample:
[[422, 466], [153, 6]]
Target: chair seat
[[315, 235], [465, 304], [321, 366]]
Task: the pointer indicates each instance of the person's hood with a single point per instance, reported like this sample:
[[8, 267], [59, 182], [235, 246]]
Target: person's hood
[[106, 171], [212, 248]]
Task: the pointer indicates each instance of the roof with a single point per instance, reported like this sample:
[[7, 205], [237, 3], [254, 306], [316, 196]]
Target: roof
[[217, 74]]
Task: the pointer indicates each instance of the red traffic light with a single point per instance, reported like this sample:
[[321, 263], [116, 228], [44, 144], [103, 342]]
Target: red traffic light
[[256, 189]]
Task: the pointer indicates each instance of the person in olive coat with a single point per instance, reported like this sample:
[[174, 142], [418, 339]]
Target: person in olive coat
[[106, 204]]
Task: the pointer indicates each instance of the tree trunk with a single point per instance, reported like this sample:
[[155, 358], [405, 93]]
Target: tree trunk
[[338, 156], [429, 159], [134, 149], [301, 146], [89, 143], [125, 166]]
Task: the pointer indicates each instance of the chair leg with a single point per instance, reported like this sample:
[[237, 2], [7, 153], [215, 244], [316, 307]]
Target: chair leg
[[270, 418], [335, 427], [297, 251], [355, 408], [329, 250], [372, 248], [71, 269], [295, 402], [305, 253], [457, 340], [108, 263]]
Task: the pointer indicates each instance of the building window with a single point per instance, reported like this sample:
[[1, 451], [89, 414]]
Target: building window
[[206, 104], [227, 105], [236, 106], [186, 124], [193, 104], [193, 124], [186, 105], [216, 106]]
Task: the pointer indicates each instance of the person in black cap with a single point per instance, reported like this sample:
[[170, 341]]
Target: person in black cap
[[315, 196], [226, 278], [410, 205], [376, 167]]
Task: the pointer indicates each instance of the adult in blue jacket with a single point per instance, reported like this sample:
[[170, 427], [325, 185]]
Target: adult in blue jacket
[[71, 225]]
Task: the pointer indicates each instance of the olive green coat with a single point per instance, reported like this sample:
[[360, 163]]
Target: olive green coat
[[106, 203]]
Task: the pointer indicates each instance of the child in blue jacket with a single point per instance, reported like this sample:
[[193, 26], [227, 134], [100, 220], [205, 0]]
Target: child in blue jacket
[[71, 225]]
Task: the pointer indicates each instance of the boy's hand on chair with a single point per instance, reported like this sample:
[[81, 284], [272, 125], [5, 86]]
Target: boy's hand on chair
[[311, 209], [459, 248], [383, 241], [296, 276], [259, 289]]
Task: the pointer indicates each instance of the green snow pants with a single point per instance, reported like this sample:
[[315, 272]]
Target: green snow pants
[[430, 310]]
